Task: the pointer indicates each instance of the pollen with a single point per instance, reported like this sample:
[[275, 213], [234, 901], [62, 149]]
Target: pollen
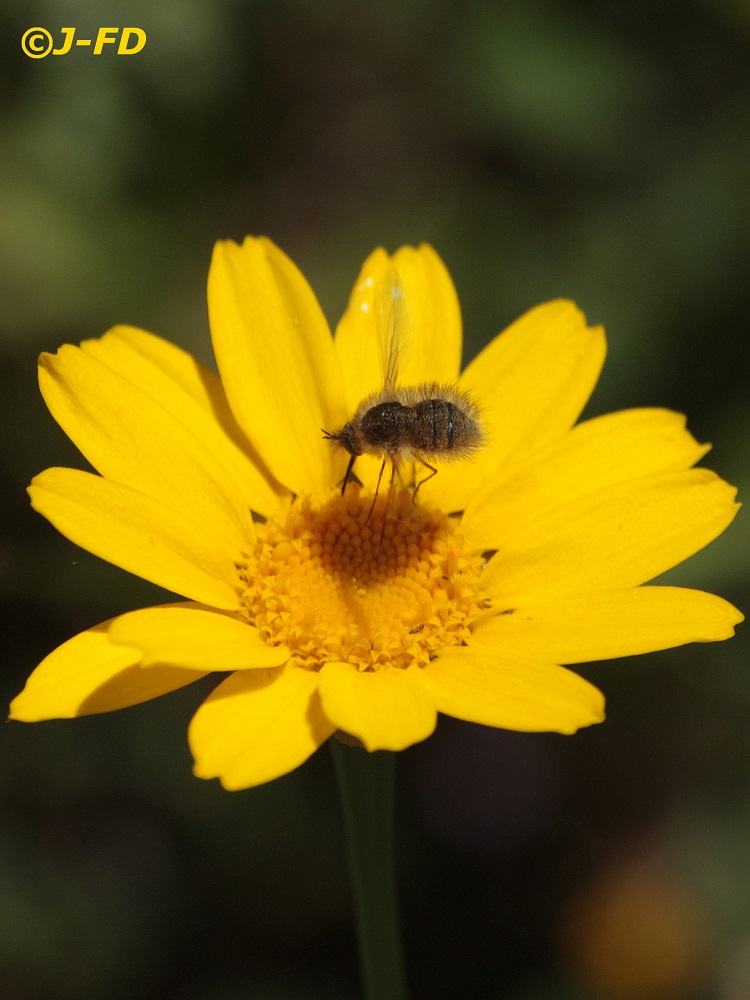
[[372, 585]]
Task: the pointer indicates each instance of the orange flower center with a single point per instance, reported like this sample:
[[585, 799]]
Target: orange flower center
[[334, 582]]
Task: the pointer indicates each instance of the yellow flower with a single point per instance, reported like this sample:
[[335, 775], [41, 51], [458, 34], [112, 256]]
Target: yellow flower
[[469, 602]]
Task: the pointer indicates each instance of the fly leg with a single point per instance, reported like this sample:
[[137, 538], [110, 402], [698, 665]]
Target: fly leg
[[377, 490], [420, 484], [390, 491]]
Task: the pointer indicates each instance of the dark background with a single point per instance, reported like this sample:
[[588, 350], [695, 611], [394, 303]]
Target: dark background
[[598, 151]]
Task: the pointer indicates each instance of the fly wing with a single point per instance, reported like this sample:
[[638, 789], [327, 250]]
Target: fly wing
[[394, 325]]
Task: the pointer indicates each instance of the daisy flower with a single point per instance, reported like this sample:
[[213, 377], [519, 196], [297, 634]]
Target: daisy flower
[[334, 612]]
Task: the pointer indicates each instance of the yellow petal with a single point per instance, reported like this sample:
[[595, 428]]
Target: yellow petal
[[275, 355], [620, 536], [481, 685], [195, 396], [386, 709], [258, 725], [130, 438], [89, 674], [607, 624], [436, 315], [356, 340], [596, 453], [530, 383], [194, 638], [436, 319], [138, 534]]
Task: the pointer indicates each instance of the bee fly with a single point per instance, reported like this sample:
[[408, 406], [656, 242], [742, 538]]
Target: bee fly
[[419, 423]]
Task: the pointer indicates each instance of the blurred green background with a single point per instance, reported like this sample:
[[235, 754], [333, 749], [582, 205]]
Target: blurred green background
[[594, 150]]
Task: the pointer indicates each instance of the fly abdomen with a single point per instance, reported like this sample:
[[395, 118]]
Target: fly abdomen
[[439, 425]]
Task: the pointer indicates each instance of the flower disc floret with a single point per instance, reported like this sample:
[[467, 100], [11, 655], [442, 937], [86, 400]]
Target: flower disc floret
[[334, 582]]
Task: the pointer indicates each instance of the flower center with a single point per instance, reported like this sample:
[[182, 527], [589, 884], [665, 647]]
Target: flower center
[[336, 582]]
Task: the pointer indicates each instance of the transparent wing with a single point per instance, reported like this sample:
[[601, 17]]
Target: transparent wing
[[394, 325]]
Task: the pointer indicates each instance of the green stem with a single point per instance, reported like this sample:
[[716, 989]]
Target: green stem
[[366, 783]]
